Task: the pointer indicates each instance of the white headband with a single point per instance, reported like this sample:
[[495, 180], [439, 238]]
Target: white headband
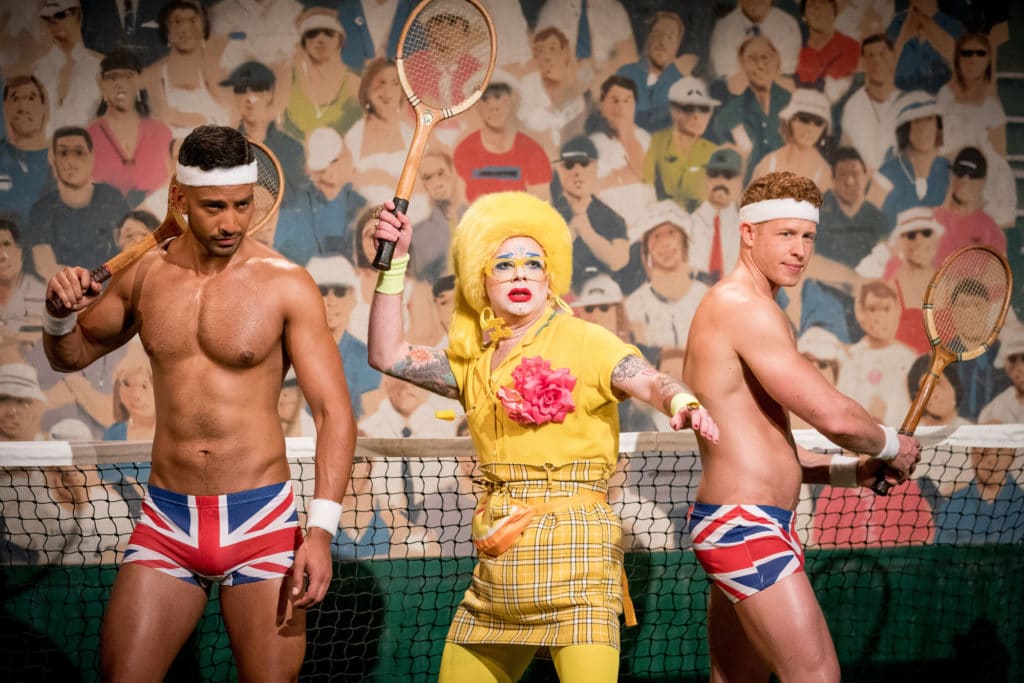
[[236, 175], [770, 209]]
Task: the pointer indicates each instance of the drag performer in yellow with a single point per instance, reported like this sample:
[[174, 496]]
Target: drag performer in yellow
[[540, 389]]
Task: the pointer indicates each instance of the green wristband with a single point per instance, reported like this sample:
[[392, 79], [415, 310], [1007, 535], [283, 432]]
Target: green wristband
[[393, 281]]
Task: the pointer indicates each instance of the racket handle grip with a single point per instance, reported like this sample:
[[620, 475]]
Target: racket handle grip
[[56, 307], [881, 485], [386, 248]]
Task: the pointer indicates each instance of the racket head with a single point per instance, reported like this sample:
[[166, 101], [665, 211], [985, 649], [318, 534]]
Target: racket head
[[268, 190], [966, 302], [445, 57]]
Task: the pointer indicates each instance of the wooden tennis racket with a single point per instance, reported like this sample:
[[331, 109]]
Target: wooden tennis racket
[[267, 194], [445, 59], [964, 308]]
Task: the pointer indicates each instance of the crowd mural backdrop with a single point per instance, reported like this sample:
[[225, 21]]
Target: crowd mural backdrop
[[640, 121]]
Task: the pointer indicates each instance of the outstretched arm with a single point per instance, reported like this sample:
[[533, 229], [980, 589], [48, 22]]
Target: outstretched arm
[[636, 377], [388, 350]]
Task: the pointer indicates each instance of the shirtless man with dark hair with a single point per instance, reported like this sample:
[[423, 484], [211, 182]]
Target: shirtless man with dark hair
[[742, 362], [222, 317]]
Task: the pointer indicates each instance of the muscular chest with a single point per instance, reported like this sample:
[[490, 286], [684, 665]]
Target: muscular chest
[[228, 319]]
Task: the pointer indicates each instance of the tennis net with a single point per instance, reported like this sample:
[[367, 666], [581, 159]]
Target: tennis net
[[922, 582]]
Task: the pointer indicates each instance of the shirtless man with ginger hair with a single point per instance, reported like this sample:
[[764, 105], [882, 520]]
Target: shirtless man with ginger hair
[[222, 317], [742, 362]]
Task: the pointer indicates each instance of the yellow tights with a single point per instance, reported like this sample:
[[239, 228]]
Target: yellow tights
[[506, 663]]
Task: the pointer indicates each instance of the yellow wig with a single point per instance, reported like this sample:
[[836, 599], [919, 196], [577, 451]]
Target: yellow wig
[[489, 221]]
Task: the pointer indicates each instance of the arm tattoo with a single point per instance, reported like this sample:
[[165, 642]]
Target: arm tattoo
[[427, 368], [631, 366]]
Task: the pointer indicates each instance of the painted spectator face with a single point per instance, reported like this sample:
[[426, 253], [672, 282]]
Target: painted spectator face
[[288, 403], [663, 42], [667, 247], [605, 315], [618, 107], [923, 133], [918, 247], [444, 306], [806, 129], [438, 179], [760, 63], [254, 106], [723, 187], [19, 418], [10, 258], [131, 232], [942, 402], [690, 119], [404, 396], [516, 280], [24, 110], [385, 92], [65, 27], [137, 393], [972, 313], [322, 45], [331, 179], [579, 177], [967, 191], [496, 109], [991, 464], [879, 62], [880, 316], [756, 10], [1015, 370], [185, 30], [850, 181], [552, 58], [445, 33], [973, 60], [73, 161], [339, 301], [820, 15], [120, 88]]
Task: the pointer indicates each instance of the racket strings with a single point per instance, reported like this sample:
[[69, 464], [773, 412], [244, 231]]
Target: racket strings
[[268, 188], [445, 53], [968, 299]]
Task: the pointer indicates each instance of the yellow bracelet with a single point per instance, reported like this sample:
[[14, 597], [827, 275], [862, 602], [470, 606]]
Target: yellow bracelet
[[393, 281], [683, 400]]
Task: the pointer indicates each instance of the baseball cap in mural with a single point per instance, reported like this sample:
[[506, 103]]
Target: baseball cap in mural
[[725, 160], [970, 162], [250, 76], [53, 7], [579, 148], [600, 289], [19, 380], [332, 271], [690, 90]]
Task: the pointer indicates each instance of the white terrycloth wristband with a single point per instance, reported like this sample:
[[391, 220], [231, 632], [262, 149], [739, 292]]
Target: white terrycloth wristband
[[842, 471], [324, 514], [58, 327], [892, 444]]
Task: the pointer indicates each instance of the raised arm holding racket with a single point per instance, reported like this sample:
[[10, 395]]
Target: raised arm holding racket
[[445, 58]]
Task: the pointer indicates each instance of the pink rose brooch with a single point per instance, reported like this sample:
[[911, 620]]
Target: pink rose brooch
[[538, 394]]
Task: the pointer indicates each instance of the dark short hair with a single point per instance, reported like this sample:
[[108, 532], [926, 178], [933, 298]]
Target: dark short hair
[[71, 132], [210, 147], [845, 153], [144, 217], [445, 283], [921, 366], [17, 81], [11, 223], [969, 287], [876, 38], [551, 31], [903, 133], [164, 18], [617, 80]]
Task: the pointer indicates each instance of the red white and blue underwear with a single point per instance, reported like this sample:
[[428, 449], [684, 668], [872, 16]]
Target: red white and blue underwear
[[745, 548], [229, 539]]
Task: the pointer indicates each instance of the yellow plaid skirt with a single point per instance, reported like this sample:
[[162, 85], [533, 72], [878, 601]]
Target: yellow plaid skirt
[[560, 583]]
